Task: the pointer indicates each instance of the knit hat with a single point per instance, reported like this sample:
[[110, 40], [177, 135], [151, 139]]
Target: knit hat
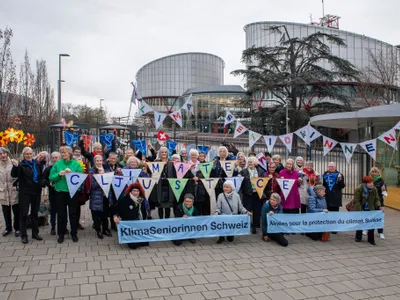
[[136, 186], [367, 179], [230, 183], [188, 196]]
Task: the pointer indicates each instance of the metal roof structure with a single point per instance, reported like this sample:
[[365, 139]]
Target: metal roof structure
[[216, 89]]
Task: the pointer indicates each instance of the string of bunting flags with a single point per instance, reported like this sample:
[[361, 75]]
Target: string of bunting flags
[[308, 134]]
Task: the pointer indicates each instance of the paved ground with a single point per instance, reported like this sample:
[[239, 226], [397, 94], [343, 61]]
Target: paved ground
[[245, 269]]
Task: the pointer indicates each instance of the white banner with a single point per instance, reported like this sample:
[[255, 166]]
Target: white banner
[[229, 118], [328, 144], [287, 140], [228, 166], [369, 147], [133, 174], [159, 118], [286, 186], [119, 183], [74, 181], [144, 108], [270, 141], [239, 129], [348, 150], [177, 117], [253, 138], [155, 168], [313, 134], [188, 104], [104, 180], [237, 182], [148, 185], [210, 184], [308, 134], [389, 138]]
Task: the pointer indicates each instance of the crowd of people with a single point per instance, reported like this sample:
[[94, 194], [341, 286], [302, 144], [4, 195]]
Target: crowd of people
[[26, 183]]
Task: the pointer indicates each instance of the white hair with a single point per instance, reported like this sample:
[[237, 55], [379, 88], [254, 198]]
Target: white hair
[[159, 152], [253, 159], [131, 159], [223, 148], [176, 156], [194, 152], [97, 145], [230, 184]]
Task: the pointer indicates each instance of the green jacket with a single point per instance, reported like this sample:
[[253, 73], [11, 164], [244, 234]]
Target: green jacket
[[373, 198], [60, 183]]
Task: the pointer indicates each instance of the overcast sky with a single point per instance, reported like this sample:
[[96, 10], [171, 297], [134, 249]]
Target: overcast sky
[[109, 40]]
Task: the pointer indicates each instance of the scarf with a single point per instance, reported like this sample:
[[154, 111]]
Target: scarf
[[253, 174], [229, 196], [312, 177], [377, 178], [366, 193], [134, 199], [188, 212], [32, 164]]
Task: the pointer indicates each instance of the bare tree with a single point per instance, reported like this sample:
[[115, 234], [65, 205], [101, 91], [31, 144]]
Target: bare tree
[[85, 114], [26, 91]]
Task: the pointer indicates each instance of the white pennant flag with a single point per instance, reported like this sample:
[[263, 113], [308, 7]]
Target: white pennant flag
[[369, 147], [237, 182], [328, 144], [188, 104], [159, 118], [287, 140], [229, 118], [262, 161], [253, 138], [105, 181], [270, 141], [148, 185], [239, 129], [74, 181], [177, 117], [389, 138], [135, 94], [397, 126], [132, 174], [303, 134], [312, 134], [144, 108], [228, 166], [348, 150], [119, 183], [156, 168], [209, 185], [286, 186]]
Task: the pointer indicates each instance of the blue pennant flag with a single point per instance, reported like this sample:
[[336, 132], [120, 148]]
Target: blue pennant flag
[[204, 149], [330, 179], [70, 138], [107, 139], [141, 146], [171, 146]]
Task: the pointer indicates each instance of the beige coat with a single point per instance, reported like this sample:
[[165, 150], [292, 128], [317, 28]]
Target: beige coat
[[8, 193]]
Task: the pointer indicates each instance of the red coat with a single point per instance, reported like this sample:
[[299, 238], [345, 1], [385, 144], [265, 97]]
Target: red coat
[[272, 185]]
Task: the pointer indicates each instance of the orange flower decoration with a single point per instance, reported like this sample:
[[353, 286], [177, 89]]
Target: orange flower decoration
[[11, 134], [29, 139], [20, 136], [3, 139]]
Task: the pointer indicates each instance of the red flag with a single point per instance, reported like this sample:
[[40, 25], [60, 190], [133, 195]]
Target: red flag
[[162, 136]]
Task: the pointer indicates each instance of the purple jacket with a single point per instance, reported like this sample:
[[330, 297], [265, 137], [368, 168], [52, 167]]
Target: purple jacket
[[293, 199]]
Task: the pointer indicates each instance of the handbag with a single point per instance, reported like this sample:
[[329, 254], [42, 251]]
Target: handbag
[[351, 206]]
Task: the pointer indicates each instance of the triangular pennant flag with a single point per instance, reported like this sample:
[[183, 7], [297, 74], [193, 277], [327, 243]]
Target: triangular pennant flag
[[303, 134], [132, 174], [228, 166], [181, 168], [177, 117], [70, 138], [287, 140], [330, 179], [171, 146], [204, 149], [260, 183], [237, 182], [328, 144], [270, 141], [239, 129], [262, 161], [348, 150], [107, 139], [148, 185], [397, 126], [389, 138], [209, 185], [105, 181], [370, 148], [253, 138], [205, 169], [141, 146], [135, 94], [188, 104], [155, 168], [119, 183], [177, 186], [313, 134], [74, 181], [159, 118], [229, 118], [144, 108], [285, 185]]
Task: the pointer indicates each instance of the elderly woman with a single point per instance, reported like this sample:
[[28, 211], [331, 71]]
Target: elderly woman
[[217, 170], [8, 194], [194, 186], [186, 209], [270, 207], [55, 156], [292, 203], [162, 195], [366, 198], [316, 204], [128, 153], [241, 162], [176, 158], [63, 199], [299, 163], [251, 200], [134, 163], [30, 186], [229, 203], [99, 203], [310, 178], [272, 185], [129, 208], [97, 150], [381, 188], [276, 159], [183, 155], [202, 157], [333, 181]]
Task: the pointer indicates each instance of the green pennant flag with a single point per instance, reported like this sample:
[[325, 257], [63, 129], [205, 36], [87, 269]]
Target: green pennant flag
[[177, 186], [206, 168]]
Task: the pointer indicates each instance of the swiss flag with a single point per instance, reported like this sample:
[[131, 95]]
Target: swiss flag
[[162, 136]]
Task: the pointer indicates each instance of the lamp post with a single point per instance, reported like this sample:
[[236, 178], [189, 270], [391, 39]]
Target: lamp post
[[59, 84]]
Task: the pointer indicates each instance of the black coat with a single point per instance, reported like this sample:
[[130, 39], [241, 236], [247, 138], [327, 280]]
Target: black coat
[[334, 197], [127, 209], [162, 195], [197, 190], [90, 155], [247, 188], [379, 184], [179, 213], [24, 174]]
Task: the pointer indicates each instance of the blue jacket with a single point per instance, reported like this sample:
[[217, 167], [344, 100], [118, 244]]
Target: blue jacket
[[315, 202], [96, 192], [266, 208]]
